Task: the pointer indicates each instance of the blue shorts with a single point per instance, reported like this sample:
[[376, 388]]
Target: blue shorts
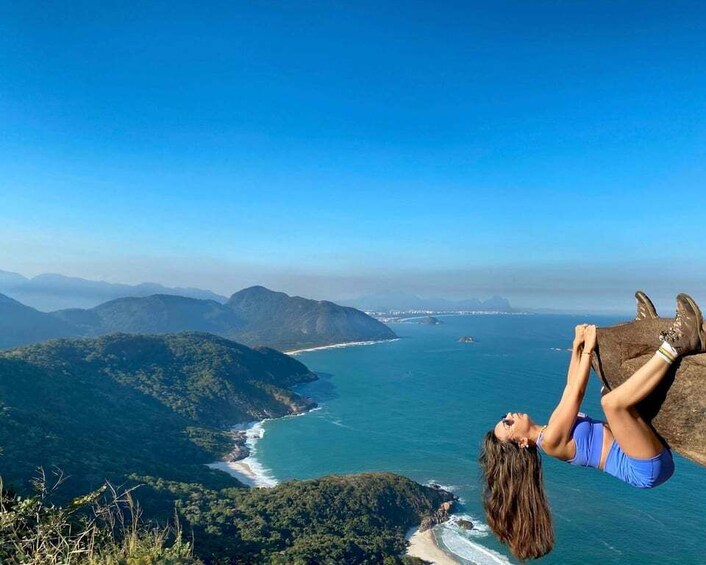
[[640, 473]]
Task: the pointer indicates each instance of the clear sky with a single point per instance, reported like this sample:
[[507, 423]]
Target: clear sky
[[551, 152]]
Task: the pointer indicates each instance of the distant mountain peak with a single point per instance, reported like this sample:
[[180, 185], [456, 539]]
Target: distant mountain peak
[[258, 288], [52, 291], [257, 292]]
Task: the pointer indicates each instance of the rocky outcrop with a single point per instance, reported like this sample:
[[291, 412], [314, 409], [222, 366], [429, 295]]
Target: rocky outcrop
[[466, 339], [440, 515], [240, 450], [677, 408]]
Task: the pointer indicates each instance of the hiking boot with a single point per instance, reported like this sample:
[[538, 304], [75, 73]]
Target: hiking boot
[[687, 332], [645, 308]]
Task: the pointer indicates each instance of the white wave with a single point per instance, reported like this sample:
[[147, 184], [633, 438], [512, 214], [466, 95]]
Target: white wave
[[480, 529], [249, 470], [464, 544], [432, 482]]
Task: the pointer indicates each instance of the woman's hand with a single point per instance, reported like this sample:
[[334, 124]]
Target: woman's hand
[[579, 335], [589, 337]]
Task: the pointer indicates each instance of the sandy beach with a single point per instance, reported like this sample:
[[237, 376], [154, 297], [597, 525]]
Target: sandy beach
[[248, 470], [422, 545], [337, 345], [240, 470]]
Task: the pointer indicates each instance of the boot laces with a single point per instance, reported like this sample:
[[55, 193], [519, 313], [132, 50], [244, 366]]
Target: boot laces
[[675, 333]]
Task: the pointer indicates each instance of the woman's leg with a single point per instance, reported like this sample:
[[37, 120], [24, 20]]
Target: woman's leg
[[634, 436]]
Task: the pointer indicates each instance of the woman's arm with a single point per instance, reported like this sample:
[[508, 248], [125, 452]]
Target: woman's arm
[[557, 437], [576, 349]]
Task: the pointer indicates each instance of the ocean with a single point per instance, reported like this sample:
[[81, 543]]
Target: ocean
[[419, 406]]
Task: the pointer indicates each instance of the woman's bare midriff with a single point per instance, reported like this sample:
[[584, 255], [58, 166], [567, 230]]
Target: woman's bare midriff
[[607, 442]]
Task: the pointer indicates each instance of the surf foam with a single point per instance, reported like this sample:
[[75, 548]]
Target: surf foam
[[464, 545], [260, 475]]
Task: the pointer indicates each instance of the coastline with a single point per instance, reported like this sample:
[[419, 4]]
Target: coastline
[[339, 345], [240, 470], [423, 545], [248, 470]]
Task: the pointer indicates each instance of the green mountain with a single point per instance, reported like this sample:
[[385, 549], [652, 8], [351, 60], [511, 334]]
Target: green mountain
[[154, 409], [160, 313], [121, 404], [254, 316], [356, 519], [20, 324], [290, 322]]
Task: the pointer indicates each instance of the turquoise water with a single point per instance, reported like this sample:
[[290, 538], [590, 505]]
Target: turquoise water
[[419, 406]]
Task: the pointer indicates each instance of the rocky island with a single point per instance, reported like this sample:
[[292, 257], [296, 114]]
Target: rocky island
[[430, 321], [466, 339]]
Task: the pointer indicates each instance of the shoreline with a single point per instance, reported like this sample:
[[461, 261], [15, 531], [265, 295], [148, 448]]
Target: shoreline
[[339, 345], [248, 470], [423, 545]]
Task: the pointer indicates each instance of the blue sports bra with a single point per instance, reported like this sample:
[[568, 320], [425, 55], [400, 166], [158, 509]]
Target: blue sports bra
[[587, 434]]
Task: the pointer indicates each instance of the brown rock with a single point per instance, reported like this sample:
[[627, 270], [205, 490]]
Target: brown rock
[[440, 515], [677, 408]]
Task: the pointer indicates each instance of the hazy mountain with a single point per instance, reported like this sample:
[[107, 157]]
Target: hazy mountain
[[20, 324], [254, 316], [394, 300], [49, 292], [155, 314], [288, 322]]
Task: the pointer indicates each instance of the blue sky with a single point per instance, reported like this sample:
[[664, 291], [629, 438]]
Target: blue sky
[[552, 152]]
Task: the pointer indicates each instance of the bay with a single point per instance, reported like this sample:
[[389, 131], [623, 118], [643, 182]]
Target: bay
[[420, 405]]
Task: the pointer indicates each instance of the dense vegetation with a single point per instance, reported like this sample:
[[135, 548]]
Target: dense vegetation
[[254, 316], [291, 322], [151, 411], [101, 528], [358, 519], [159, 405]]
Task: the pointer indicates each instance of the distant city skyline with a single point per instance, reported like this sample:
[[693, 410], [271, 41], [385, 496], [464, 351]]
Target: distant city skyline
[[551, 153]]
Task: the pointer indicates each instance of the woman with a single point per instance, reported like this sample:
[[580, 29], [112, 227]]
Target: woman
[[624, 446]]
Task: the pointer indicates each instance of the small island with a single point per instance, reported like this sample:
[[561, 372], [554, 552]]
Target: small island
[[466, 339], [430, 321]]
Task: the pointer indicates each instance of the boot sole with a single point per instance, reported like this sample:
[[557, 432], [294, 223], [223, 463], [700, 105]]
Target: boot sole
[[641, 296], [699, 320]]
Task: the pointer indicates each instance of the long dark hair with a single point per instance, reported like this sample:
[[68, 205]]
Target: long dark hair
[[513, 497]]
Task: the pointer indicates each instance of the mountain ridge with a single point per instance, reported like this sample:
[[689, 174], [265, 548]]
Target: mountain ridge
[[252, 316], [53, 291]]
